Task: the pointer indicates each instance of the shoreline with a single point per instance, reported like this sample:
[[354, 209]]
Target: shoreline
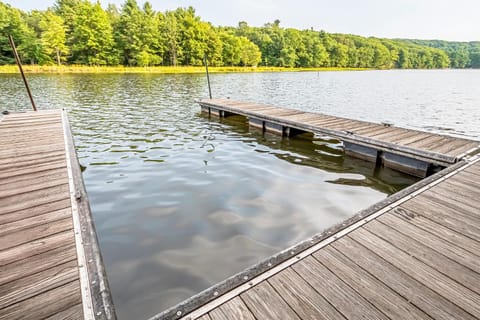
[[73, 69]]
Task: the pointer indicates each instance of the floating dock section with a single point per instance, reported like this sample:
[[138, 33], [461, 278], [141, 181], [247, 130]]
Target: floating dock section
[[50, 262], [415, 152]]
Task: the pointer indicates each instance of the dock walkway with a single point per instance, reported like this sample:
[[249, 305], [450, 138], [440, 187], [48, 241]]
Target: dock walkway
[[415, 255], [411, 151], [50, 264]]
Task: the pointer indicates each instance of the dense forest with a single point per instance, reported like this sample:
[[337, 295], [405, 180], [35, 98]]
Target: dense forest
[[82, 32]]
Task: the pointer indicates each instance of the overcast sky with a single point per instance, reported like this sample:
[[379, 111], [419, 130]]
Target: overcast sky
[[422, 19]]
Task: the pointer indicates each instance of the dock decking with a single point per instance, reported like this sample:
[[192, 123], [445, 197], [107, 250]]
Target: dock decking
[[50, 264], [415, 152], [415, 255]]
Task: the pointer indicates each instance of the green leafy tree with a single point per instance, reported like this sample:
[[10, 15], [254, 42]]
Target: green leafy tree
[[92, 35], [53, 36]]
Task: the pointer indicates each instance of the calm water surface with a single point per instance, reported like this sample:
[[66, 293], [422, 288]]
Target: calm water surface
[[182, 201]]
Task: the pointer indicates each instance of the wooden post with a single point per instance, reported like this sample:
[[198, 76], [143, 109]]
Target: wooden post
[[19, 64], [208, 76]]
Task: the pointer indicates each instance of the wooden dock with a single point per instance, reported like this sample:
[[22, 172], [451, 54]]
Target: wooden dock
[[50, 263], [415, 255], [414, 152]]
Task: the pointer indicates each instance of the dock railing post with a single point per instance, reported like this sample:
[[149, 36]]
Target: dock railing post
[[208, 75], [19, 64]]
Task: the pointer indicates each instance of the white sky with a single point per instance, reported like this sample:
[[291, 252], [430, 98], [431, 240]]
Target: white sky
[[457, 20]]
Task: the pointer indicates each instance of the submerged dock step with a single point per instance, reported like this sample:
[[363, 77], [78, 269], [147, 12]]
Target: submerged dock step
[[414, 152], [50, 263]]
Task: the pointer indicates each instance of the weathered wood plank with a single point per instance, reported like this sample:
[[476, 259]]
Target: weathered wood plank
[[34, 199], [40, 159], [31, 222], [37, 263], [414, 291], [458, 294], [301, 297], [38, 283], [35, 152], [381, 296], [23, 173], [454, 250], [48, 206], [340, 295], [35, 175], [26, 250], [35, 233], [17, 188], [265, 303], [430, 257], [423, 206], [72, 313], [234, 309], [45, 304]]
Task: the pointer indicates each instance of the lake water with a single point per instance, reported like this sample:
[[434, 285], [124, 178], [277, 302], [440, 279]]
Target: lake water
[[182, 201]]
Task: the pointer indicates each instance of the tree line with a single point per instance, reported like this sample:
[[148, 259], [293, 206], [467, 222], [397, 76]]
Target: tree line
[[82, 32]]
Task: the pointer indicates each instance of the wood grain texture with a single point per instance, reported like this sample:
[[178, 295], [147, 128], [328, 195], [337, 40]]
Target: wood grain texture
[[302, 298], [430, 257], [377, 293], [419, 295], [338, 293], [37, 263], [46, 304], [30, 286], [265, 303], [443, 285], [234, 309], [72, 313]]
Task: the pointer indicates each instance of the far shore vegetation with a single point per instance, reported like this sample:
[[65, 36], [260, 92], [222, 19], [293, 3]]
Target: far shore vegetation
[[75, 36], [159, 69]]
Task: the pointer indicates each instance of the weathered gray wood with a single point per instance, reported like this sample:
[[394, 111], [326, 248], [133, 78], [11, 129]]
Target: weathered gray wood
[[41, 183], [35, 233], [44, 174], [452, 250], [38, 283], [340, 295], [412, 290], [265, 303], [430, 257], [377, 293], [45, 304], [37, 263], [48, 206], [34, 198], [37, 152], [42, 245], [301, 297], [20, 174], [423, 206], [445, 286], [72, 313], [31, 222], [39, 270], [103, 307], [234, 309]]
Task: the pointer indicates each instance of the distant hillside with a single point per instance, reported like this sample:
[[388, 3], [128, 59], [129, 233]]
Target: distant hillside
[[82, 32], [461, 54]]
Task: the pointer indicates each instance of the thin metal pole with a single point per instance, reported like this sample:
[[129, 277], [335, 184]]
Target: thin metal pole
[[208, 76], [19, 64]]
